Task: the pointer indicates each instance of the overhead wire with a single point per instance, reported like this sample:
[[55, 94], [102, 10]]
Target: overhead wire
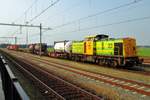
[[25, 14], [110, 24], [26, 10], [35, 17], [89, 16], [119, 22], [99, 13], [67, 9]]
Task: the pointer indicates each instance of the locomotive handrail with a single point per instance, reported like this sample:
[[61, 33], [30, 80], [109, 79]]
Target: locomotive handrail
[[118, 50]]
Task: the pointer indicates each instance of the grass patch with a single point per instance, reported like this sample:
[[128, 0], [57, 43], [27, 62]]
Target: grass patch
[[143, 51], [50, 49]]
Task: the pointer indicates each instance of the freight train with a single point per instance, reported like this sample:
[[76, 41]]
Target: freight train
[[13, 47], [32, 48], [35, 48], [99, 49]]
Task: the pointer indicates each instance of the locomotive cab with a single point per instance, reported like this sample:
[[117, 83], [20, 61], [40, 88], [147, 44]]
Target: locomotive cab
[[130, 53], [125, 50], [89, 43]]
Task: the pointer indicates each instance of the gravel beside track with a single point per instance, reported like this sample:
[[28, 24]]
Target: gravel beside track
[[54, 87], [119, 82], [136, 69]]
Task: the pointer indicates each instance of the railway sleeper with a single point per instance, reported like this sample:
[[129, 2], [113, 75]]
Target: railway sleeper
[[37, 73]]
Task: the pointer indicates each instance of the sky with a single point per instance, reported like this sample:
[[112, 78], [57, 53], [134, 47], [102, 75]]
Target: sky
[[72, 20]]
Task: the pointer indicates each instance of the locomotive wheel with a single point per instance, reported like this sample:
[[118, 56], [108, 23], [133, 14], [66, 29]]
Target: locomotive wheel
[[114, 64], [100, 62]]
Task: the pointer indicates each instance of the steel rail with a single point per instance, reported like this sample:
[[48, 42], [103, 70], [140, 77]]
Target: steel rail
[[81, 91], [98, 77]]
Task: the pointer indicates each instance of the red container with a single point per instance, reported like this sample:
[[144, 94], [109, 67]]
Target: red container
[[13, 47]]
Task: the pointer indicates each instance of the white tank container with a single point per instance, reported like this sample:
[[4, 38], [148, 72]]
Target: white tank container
[[63, 46], [68, 47], [59, 47]]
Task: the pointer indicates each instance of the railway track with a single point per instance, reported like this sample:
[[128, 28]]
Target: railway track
[[146, 59], [136, 69], [134, 86], [119, 82], [52, 86]]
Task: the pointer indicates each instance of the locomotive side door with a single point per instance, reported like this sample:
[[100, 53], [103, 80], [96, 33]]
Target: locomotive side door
[[89, 45], [118, 49]]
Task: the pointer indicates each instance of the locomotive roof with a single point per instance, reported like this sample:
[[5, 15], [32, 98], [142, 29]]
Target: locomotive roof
[[98, 35]]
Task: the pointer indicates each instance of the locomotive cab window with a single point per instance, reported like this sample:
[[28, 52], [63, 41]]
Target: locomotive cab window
[[134, 48]]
